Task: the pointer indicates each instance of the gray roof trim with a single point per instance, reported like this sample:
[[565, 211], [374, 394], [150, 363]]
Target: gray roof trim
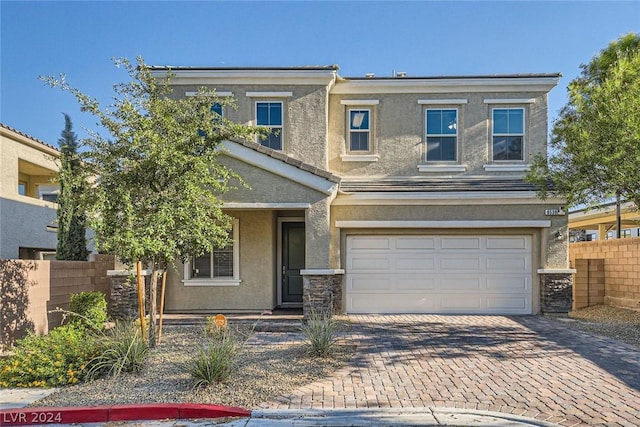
[[437, 185]]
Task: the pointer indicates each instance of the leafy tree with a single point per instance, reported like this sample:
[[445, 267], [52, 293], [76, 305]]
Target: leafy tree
[[595, 142], [155, 198], [72, 242]]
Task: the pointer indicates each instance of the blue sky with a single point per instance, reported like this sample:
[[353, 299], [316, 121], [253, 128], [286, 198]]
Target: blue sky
[[422, 38]]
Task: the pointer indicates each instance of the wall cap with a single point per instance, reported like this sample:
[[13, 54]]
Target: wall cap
[[127, 272], [556, 271], [322, 272]]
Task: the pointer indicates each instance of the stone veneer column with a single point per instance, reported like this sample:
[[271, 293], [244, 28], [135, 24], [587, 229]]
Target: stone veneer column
[[123, 304], [556, 290], [322, 290]]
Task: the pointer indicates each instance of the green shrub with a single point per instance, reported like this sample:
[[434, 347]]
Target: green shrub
[[121, 349], [215, 360], [321, 330], [57, 359], [88, 310]]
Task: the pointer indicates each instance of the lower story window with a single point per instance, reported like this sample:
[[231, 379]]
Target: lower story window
[[218, 267]]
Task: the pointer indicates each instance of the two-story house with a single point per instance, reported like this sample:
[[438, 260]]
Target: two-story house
[[381, 195], [28, 196]]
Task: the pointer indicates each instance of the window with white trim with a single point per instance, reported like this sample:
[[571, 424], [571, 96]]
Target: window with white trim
[[359, 130], [441, 135], [508, 134], [218, 267], [269, 114]]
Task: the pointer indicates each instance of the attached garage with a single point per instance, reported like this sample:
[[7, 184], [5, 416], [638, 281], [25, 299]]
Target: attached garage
[[472, 274]]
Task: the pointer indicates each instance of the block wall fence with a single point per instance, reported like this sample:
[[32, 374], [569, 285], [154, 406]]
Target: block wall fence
[[608, 272], [30, 290]]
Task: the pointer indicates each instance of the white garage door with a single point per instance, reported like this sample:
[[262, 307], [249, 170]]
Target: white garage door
[[439, 274]]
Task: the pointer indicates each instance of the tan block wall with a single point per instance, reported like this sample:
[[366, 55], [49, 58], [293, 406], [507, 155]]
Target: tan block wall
[[620, 270], [50, 285]]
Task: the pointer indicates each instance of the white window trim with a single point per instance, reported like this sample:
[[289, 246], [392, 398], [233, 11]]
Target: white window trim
[[269, 94], [524, 133], [506, 168], [221, 281], [218, 94], [351, 152], [457, 135], [510, 101], [359, 157], [442, 168], [359, 102], [280, 127], [442, 101]]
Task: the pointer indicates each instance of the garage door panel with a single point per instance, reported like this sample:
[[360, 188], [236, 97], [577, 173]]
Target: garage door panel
[[370, 243], [508, 263], [516, 242], [460, 283], [509, 283], [439, 274], [414, 283], [508, 304], [403, 303], [458, 263], [415, 264], [460, 243], [377, 263], [455, 302], [369, 283], [415, 243]]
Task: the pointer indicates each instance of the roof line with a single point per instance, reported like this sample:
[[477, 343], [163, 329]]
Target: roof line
[[25, 135]]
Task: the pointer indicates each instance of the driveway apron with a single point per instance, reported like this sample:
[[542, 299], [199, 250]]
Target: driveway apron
[[529, 366]]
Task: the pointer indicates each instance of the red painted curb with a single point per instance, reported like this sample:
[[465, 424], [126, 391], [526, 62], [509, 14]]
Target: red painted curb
[[103, 414]]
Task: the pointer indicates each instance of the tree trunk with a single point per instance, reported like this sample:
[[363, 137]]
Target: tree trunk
[[153, 306], [140, 296]]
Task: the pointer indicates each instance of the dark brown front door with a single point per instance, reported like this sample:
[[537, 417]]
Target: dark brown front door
[[292, 261]]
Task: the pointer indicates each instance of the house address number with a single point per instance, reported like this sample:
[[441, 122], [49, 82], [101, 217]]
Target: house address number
[[554, 212]]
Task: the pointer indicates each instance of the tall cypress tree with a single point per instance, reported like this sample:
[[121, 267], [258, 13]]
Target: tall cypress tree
[[72, 243]]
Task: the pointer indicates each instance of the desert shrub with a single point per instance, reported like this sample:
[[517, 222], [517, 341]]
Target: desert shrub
[[57, 359], [120, 349], [320, 329], [215, 360], [88, 310]]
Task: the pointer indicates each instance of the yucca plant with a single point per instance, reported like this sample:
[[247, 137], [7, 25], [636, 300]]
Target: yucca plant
[[320, 328], [215, 360], [122, 349]]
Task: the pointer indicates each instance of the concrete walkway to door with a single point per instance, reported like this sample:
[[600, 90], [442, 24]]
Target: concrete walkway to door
[[529, 366]]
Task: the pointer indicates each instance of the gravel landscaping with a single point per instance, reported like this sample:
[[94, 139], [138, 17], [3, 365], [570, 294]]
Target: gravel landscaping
[[613, 322], [264, 371]]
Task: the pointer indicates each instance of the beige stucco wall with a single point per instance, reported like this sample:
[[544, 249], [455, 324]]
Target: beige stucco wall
[[398, 132], [257, 289], [304, 116], [549, 251], [24, 219]]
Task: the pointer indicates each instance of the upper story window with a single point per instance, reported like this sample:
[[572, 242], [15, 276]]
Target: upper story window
[[508, 134], [22, 188], [217, 108], [269, 114], [359, 130], [442, 134]]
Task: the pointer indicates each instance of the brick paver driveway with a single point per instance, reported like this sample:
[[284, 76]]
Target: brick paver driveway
[[528, 366]]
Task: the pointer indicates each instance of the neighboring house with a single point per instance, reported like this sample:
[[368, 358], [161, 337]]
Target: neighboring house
[[381, 195], [601, 224], [27, 196]]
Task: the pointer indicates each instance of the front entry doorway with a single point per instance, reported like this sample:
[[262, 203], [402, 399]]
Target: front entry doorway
[[292, 261]]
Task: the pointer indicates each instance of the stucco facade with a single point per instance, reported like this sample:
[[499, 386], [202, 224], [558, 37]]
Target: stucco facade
[[386, 186], [27, 166]]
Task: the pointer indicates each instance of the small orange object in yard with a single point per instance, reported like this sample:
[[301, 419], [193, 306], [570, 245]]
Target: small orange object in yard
[[220, 320]]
